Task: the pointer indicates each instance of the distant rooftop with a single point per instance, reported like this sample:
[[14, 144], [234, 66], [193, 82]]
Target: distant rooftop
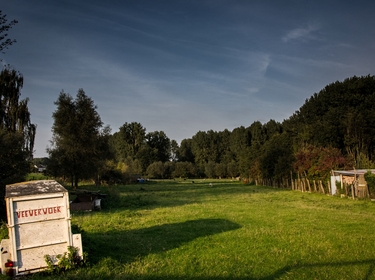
[[352, 172]]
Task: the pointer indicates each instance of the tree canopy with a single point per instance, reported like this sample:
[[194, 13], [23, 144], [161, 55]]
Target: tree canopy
[[77, 146]]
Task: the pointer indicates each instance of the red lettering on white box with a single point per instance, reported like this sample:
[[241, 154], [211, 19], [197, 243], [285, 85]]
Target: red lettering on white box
[[38, 212]]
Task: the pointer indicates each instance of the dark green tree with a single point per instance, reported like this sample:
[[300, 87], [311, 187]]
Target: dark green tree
[[145, 157], [240, 143], [160, 146], [184, 170], [209, 169], [156, 170], [221, 170], [14, 113], [277, 157], [232, 169], [169, 168], [206, 147], [17, 133], [129, 140], [341, 116], [78, 138], [225, 153], [185, 152]]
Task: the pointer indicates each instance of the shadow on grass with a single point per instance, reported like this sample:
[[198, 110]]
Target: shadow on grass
[[156, 196], [127, 246], [368, 272]]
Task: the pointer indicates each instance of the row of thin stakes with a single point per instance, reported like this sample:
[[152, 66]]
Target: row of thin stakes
[[301, 184], [356, 189]]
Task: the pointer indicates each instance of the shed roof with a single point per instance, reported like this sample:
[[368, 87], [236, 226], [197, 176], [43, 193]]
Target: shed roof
[[352, 172], [33, 188]]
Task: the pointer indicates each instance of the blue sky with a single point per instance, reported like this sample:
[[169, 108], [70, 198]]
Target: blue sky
[[186, 66]]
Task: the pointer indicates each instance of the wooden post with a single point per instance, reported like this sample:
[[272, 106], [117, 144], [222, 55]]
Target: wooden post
[[308, 184], [315, 190], [291, 179], [321, 186], [329, 187], [353, 191], [341, 181]]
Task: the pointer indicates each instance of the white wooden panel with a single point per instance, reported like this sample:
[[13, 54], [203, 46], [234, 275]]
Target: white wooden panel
[[31, 235], [31, 259]]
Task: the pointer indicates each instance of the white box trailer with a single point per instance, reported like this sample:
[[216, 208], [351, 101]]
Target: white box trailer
[[38, 224]]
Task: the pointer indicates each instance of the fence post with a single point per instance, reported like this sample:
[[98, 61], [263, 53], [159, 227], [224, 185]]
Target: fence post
[[308, 184], [321, 186]]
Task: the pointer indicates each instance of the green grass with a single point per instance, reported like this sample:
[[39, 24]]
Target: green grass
[[181, 230], [36, 176]]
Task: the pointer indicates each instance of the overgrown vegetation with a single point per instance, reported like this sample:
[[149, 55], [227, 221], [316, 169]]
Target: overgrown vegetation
[[64, 262], [370, 179]]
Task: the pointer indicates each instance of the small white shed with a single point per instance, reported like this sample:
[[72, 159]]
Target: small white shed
[[350, 177], [39, 224]]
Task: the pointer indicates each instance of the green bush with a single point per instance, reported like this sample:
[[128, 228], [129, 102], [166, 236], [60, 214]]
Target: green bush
[[67, 261], [370, 179]]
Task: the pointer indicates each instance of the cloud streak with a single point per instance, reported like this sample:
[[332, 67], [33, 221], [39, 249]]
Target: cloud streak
[[301, 33]]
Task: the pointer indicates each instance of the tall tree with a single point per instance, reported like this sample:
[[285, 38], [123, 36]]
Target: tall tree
[[14, 113], [17, 133], [77, 137], [160, 144], [185, 152], [130, 139], [240, 142]]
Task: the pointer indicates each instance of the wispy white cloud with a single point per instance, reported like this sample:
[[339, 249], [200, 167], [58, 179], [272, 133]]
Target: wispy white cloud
[[301, 33]]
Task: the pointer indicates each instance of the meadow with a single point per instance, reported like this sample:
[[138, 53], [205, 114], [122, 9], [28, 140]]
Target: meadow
[[189, 230]]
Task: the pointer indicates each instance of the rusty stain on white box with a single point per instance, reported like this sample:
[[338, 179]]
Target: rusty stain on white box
[[39, 224]]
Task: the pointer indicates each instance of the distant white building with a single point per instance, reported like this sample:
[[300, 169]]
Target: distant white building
[[40, 168], [350, 177]]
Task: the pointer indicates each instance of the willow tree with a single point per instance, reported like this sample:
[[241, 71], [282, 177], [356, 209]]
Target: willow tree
[[14, 113], [17, 133]]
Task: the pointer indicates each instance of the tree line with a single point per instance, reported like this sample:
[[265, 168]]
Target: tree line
[[332, 130]]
